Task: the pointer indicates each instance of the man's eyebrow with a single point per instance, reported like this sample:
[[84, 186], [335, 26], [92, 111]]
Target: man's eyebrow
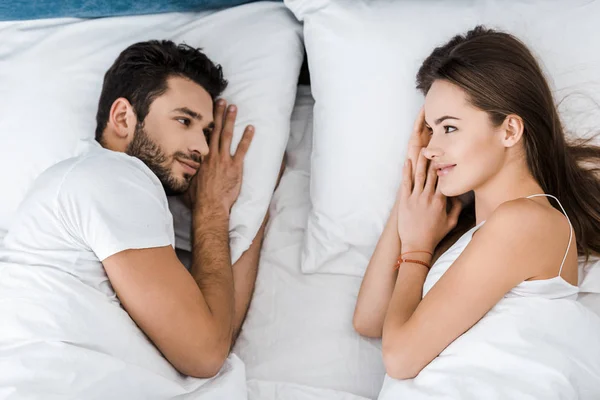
[[189, 112]]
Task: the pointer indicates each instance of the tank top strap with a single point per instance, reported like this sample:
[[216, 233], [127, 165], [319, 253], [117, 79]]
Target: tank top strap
[[568, 220]]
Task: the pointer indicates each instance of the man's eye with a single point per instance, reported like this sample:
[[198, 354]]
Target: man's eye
[[207, 132], [184, 121], [449, 128]]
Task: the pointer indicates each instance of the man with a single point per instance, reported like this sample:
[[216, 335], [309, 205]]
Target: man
[[103, 218]]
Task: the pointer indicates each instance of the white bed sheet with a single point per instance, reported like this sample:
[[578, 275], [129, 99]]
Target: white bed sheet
[[299, 327], [268, 390]]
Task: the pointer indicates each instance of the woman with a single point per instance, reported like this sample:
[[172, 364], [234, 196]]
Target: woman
[[492, 314]]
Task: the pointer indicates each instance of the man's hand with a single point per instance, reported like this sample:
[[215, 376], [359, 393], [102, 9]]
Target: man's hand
[[218, 182]]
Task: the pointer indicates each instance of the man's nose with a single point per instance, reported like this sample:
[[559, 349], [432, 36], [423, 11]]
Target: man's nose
[[200, 147]]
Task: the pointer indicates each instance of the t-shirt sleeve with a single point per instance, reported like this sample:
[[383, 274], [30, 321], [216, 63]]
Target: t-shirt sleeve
[[114, 205]]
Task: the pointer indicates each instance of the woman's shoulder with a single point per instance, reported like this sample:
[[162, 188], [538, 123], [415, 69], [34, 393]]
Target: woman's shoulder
[[527, 213], [533, 229]]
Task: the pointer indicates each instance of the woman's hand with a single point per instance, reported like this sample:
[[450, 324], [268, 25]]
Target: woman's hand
[[419, 138], [422, 217]]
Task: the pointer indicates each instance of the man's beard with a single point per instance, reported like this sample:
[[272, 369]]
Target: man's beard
[[149, 153]]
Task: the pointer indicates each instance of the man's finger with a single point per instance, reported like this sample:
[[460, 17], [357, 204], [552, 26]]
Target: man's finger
[[227, 132], [244, 144], [219, 112]]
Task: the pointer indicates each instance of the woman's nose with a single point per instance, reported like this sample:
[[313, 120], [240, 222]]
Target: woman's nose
[[432, 151]]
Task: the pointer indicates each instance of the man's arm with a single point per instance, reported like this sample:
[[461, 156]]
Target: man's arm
[[211, 270], [189, 317]]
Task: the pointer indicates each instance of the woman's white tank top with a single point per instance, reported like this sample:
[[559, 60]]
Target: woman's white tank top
[[553, 288]]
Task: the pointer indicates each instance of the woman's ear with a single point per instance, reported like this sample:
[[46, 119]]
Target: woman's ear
[[512, 130]]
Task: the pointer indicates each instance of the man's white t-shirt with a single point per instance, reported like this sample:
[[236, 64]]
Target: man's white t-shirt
[[86, 209], [64, 331]]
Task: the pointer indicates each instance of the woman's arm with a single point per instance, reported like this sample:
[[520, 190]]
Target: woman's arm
[[503, 253], [378, 283]]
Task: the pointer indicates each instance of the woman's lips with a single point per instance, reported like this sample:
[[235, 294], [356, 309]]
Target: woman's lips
[[443, 170]]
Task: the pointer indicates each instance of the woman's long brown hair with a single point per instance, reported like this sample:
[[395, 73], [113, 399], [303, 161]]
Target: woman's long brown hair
[[501, 77]]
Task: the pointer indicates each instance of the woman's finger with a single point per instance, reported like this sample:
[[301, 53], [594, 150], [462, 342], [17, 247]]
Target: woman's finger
[[406, 187], [418, 126], [431, 180], [438, 189], [415, 142], [420, 173]]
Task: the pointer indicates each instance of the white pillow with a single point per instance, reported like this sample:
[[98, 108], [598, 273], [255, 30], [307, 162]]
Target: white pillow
[[51, 74], [363, 57]]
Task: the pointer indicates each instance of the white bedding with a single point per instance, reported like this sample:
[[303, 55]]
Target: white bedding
[[298, 342], [524, 348], [299, 327], [267, 390], [61, 339]]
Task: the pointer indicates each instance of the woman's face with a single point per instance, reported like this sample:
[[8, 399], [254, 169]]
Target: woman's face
[[465, 147]]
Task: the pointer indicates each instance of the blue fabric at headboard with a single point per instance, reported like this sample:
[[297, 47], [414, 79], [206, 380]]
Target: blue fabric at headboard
[[35, 9]]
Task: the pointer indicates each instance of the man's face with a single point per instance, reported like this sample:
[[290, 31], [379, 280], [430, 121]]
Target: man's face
[[173, 137]]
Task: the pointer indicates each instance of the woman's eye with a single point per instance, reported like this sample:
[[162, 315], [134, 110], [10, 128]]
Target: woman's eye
[[184, 121], [449, 128], [429, 130]]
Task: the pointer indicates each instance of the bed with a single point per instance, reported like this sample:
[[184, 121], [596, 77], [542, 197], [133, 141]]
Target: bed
[[297, 342]]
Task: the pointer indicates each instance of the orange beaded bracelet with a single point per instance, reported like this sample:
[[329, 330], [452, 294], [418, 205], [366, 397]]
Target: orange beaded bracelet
[[417, 251], [406, 260]]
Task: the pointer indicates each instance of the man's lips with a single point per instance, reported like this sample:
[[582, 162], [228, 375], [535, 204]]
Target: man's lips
[[191, 166]]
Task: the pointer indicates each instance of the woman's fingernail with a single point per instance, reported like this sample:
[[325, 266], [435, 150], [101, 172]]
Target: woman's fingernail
[[232, 109]]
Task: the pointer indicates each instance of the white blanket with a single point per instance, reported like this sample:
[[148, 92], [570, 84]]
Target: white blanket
[[524, 348], [60, 339]]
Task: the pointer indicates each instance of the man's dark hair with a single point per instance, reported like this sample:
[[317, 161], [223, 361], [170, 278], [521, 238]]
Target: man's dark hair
[[141, 71]]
